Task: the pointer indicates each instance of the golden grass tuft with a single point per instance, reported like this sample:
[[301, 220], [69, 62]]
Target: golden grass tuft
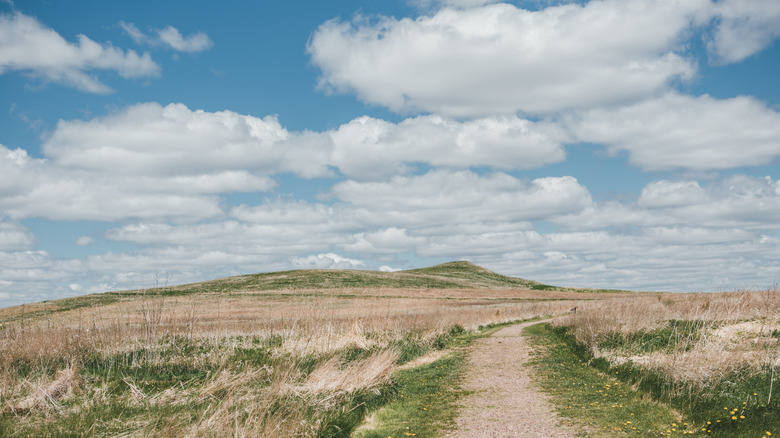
[[47, 397], [331, 376]]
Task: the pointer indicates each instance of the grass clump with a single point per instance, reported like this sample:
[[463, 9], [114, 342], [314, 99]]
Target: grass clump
[[675, 334], [424, 401]]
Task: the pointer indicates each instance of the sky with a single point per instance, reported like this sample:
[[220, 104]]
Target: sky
[[629, 144]]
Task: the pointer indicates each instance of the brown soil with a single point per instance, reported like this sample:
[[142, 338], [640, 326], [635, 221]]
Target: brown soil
[[505, 402]]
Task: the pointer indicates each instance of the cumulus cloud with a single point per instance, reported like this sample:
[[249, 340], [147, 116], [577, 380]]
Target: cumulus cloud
[[703, 236], [502, 59], [170, 37], [34, 187], [444, 197], [28, 46], [372, 149], [240, 238], [326, 261], [734, 202], [389, 240], [644, 261], [150, 138], [744, 28], [14, 237], [677, 131]]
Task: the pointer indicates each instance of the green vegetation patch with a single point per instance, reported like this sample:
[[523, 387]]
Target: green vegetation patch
[[596, 402], [739, 405], [675, 334], [454, 275], [424, 402]]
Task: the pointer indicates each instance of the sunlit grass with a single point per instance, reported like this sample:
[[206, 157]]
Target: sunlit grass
[[249, 363], [593, 401]]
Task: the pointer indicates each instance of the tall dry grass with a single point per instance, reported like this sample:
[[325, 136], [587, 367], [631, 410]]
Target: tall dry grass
[[294, 382], [709, 336]]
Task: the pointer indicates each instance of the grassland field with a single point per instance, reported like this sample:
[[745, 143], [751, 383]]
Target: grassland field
[[343, 353]]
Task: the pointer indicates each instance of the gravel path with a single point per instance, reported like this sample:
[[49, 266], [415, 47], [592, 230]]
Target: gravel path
[[505, 402]]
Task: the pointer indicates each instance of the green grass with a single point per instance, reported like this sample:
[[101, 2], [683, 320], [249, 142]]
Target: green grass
[[454, 275], [737, 406], [594, 401], [425, 401], [665, 339]]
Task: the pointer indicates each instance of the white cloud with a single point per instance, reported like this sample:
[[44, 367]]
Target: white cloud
[[736, 202], [85, 241], [170, 37], [676, 131], [325, 261], [389, 240], [37, 187], [372, 149], [196, 42], [276, 227], [502, 59], [445, 197], [14, 237], [451, 3], [672, 194], [27, 46], [152, 139], [135, 33], [677, 235], [744, 28]]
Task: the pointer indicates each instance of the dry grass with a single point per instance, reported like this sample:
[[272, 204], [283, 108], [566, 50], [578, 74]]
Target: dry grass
[[718, 333], [294, 382]]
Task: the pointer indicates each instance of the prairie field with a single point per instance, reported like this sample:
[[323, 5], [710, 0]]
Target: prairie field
[[315, 353], [235, 359]]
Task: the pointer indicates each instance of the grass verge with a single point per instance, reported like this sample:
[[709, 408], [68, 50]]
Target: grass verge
[[424, 404], [628, 400], [597, 403]]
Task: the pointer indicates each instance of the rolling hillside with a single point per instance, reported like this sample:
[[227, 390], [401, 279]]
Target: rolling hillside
[[452, 275]]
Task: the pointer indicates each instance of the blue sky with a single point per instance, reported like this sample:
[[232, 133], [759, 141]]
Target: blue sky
[[613, 143]]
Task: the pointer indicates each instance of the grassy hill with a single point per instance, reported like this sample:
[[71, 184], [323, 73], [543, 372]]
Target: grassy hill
[[453, 275]]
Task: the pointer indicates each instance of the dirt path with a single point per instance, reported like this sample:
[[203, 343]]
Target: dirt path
[[505, 402]]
